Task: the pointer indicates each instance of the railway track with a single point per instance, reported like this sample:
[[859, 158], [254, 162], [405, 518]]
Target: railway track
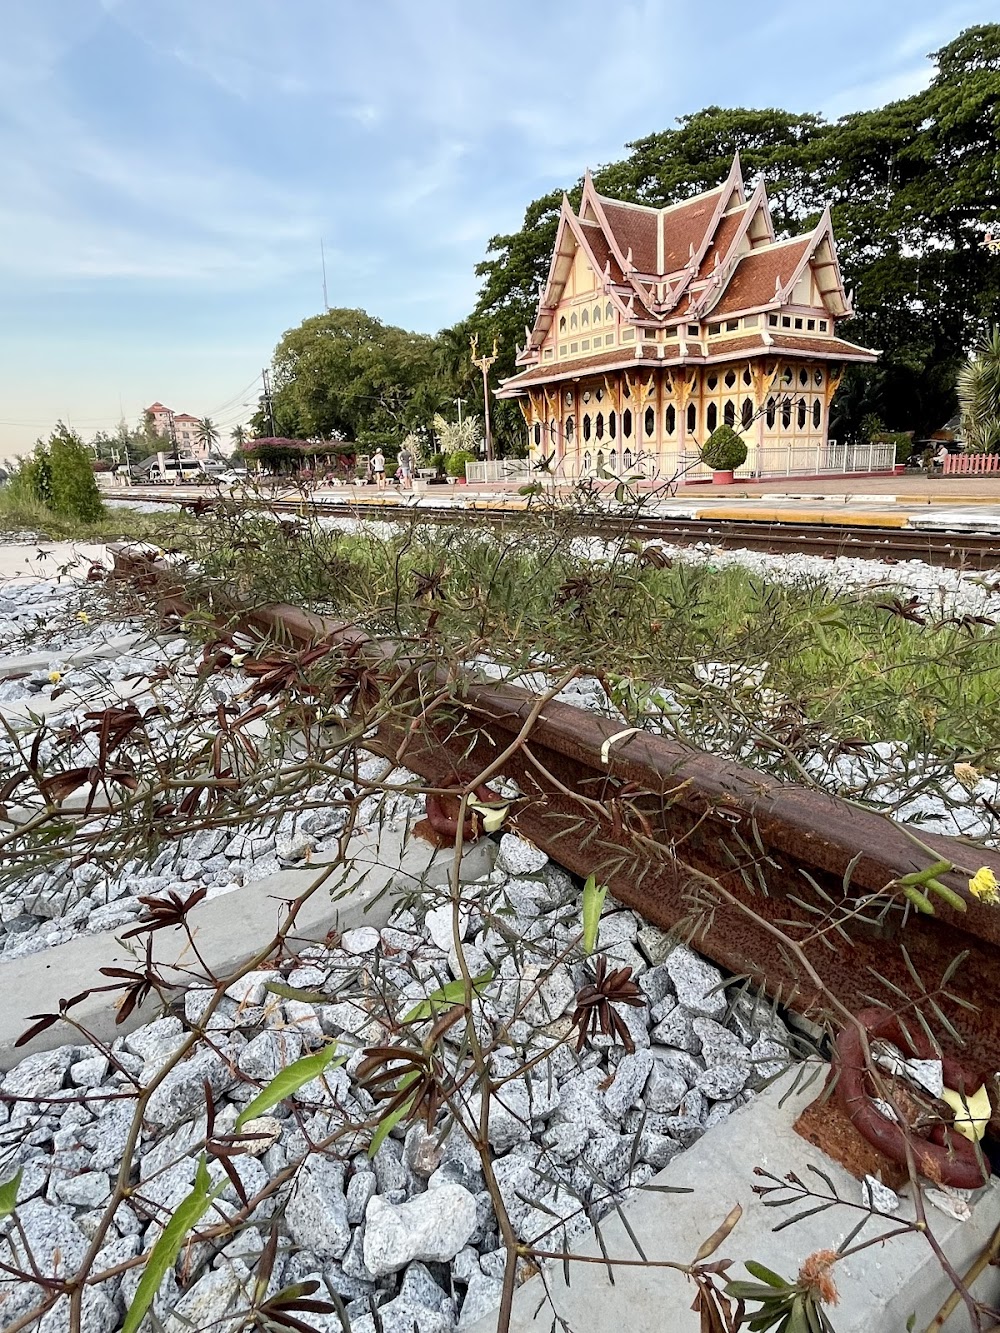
[[660, 822], [957, 549]]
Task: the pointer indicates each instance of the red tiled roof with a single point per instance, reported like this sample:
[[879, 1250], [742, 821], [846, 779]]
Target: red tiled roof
[[615, 359], [598, 243], [183, 416], [754, 345], [724, 236], [634, 229], [684, 227], [753, 281], [157, 407]]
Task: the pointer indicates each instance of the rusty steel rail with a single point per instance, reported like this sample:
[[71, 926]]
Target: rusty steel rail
[[656, 819], [950, 549]]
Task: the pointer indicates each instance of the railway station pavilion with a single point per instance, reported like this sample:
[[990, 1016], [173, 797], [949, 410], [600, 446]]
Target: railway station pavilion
[[658, 324]]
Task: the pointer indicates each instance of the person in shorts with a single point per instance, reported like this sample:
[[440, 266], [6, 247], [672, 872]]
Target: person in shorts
[[378, 469], [406, 468]]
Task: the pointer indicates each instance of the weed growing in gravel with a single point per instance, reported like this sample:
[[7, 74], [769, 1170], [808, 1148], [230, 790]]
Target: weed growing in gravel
[[484, 1045]]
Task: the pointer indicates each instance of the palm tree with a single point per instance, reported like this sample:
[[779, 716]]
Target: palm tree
[[979, 396], [239, 436], [207, 433]]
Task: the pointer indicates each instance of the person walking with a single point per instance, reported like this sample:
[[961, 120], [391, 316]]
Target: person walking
[[406, 468], [378, 468]]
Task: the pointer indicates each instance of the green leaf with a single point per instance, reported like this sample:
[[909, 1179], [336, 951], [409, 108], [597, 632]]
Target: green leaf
[[593, 904], [765, 1274], [294, 993], [389, 1122], [289, 1080], [8, 1194], [446, 996], [164, 1253]]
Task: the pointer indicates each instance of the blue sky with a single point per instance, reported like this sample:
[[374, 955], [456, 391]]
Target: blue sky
[[170, 165]]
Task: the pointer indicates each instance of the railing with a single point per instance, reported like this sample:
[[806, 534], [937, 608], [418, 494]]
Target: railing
[[500, 469], [971, 463]]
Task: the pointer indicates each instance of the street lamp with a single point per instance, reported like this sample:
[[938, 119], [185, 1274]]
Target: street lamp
[[484, 363]]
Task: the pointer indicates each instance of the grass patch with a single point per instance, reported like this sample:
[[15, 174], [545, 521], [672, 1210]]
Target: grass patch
[[805, 664], [20, 512]]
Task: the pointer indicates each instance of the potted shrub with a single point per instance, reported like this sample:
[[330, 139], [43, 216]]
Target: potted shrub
[[455, 464], [724, 452]]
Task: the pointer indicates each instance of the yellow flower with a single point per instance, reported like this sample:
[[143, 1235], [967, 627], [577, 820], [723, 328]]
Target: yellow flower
[[83, 618], [55, 677], [967, 775], [983, 885]]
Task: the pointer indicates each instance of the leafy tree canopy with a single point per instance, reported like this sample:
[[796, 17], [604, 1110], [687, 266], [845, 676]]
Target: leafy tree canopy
[[913, 186]]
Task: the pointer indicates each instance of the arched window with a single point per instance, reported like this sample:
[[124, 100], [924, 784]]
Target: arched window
[[538, 434], [599, 395], [800, 415], [584, 318], [770, 414], [568, 397], [803, 376], [600, 459], [628, 463], [613, 459], [729, 413], [817, 413], [586, 395], [692, 418], [597, 314], [747, 377], [711, 418], [627, 423], [599, 426], [562, 323], [712, 381], [670, 419], [609, 310], [612, 424], [818, 377], [570, 429], [786, 375], [786, 413], [649, 422], [586, 426], [573, 320], [746, 416], [588, 462], [730, 378]]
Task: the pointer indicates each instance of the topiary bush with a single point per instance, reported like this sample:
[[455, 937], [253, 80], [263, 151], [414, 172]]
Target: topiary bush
[[74, 490], [724, 451], [455, 462]]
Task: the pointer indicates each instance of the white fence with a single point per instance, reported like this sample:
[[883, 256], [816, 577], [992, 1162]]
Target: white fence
[[781, 461], [500, 469], [799, 460]]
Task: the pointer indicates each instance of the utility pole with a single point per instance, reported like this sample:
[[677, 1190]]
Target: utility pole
[[459, 401], [268, 401], [484, 363], [173, 438], [322, 256]]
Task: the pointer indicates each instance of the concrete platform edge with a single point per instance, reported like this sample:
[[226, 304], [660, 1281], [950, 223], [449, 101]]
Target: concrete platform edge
[[879, 1288]]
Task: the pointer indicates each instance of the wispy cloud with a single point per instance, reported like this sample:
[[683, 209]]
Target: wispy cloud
[[186, 157]]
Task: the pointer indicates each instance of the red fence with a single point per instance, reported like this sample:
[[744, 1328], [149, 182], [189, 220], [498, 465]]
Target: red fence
[[969, 463]]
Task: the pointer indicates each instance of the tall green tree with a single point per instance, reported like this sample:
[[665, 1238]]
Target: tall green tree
[[207, 433], [74, 490], [979, 396], [345, 374]]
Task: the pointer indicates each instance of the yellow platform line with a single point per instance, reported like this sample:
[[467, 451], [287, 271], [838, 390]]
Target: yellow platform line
[[825, 517]]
